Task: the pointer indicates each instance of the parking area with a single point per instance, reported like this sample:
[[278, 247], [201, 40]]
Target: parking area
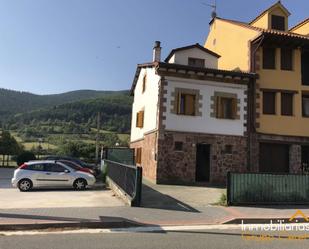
[[53, 198]]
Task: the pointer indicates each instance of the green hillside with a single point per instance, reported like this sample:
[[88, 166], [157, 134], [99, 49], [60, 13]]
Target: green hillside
[[66, 123], [14, 102], [77, 117]]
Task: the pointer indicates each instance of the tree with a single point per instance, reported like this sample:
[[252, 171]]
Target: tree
[[8, 146], [25, 156]]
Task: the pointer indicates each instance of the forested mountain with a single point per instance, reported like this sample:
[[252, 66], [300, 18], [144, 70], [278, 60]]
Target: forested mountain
[[79, 116], [66, 123], [14, 102]]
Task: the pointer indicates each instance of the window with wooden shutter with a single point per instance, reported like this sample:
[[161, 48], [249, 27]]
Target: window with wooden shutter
[[138, 156], [278, 22], [287, 104], [286, 59], [269, 103], [140, 119], [186, 104], [269, 58], [226, 107]]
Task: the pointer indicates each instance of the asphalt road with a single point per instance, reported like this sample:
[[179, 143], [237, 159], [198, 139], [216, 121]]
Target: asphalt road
[[212, 239]]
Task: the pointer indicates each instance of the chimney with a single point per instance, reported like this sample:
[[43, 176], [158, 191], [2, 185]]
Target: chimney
[[157, 52]]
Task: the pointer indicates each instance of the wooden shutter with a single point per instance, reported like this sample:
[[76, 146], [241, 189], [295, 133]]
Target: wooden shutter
[[269, 103], [178, 103], [219, 109], [137, 119], [189, 104], [286, 59], [141, 119], [269, 58], [287, 104], [234, 108], [304, 67]]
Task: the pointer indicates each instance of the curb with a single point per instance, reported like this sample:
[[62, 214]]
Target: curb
[[239, 221], [70, 225]]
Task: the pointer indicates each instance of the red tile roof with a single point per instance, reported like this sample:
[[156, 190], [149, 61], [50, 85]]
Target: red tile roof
[[269, 31]]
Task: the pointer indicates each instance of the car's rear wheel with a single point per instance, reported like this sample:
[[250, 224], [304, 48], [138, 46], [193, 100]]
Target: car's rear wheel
[[80, 184], [25, 185]]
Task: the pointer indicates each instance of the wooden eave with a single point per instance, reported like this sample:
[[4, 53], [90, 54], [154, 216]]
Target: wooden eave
[[198, 73], [183, 71], [280, 39]]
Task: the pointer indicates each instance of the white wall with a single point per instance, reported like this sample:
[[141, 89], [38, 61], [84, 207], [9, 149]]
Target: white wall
[[205, 123], [181, 57], [147, 100]]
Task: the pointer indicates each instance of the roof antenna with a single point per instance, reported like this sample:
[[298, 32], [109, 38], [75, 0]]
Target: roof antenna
[[214, 8]]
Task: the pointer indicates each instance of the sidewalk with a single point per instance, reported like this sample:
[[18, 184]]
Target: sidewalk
[[162, 205], [127, 216]]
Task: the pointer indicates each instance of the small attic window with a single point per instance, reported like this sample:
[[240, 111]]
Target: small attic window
[[278, 22], [196, 62]]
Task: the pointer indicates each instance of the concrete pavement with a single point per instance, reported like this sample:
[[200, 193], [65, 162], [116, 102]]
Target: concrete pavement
[[161, 205], [12, 198]]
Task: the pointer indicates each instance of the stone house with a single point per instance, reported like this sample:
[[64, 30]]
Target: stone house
[[189, 118]]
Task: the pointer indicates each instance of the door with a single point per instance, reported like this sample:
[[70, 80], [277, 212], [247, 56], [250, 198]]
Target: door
[[274, 158], [54, 175], [202, 172]]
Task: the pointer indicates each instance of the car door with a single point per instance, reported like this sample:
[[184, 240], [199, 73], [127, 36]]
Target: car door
[[56, 175], [36, 173]]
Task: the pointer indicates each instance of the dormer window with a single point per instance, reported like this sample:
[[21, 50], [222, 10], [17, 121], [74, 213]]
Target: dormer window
[[196, 62], [278, 22]]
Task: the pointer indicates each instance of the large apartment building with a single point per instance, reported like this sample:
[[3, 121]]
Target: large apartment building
[[279, 140]]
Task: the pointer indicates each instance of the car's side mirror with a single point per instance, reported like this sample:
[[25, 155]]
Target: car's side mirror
[[66, 171]]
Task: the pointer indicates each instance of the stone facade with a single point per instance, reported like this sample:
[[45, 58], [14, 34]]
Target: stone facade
[[295, 159], [180, 166], [149, 154]]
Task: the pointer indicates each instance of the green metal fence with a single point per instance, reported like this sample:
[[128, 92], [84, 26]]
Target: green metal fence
[[128, 178], [260, 188], [120, 155]]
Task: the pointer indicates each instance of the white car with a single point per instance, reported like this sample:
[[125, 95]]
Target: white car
[[37, 174]]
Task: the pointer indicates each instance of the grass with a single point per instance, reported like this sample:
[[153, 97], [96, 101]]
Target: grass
[[50, 145], [222, 201], [15, 135], [45, 146]]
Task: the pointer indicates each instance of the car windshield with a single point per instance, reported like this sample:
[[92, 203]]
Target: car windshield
[[71, 165]]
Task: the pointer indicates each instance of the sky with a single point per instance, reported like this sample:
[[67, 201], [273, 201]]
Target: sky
[[54, 46]]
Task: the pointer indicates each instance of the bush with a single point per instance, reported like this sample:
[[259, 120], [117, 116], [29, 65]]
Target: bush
[[222, 201], [24, 157]]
